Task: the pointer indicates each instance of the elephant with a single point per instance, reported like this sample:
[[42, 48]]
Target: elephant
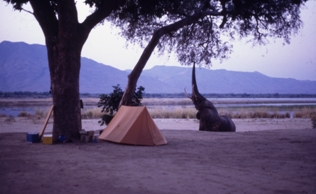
[[209, 118]]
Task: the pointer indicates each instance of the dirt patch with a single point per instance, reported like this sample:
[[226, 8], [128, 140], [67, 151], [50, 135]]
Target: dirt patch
[[264, 156]]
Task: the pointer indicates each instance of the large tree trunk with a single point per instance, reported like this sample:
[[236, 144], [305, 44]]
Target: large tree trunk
[[64, 72]]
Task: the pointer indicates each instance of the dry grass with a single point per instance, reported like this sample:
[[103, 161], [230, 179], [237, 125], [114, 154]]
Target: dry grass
[[187, 113], [238, 113], [92, 113], [39, 113], [305, 112], [260, 112], [180, 113]]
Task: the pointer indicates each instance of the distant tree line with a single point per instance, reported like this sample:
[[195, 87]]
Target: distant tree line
[[231, 95], [26, 94]]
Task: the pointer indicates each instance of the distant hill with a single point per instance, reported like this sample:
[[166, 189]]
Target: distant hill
[[223, 81], [24, 67]]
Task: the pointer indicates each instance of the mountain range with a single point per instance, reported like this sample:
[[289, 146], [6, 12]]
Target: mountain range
[[24, 67]]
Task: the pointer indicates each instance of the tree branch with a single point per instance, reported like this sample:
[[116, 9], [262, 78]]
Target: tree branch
[[100, 14], [46, 17], [258, 29], [27, 11]]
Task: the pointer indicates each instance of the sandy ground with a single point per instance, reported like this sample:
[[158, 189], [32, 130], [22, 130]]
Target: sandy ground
[[263, 156], [23, 124]]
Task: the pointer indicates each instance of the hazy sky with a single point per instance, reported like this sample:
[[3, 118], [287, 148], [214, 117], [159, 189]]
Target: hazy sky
[[297, 60]]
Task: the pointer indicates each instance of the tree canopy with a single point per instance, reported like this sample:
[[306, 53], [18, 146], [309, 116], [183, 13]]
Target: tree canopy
[[212, 23]]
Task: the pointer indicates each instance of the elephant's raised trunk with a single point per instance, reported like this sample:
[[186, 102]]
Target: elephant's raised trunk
[[196, 96], [195, 91]]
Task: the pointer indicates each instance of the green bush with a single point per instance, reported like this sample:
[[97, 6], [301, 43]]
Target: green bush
[[110, 103]]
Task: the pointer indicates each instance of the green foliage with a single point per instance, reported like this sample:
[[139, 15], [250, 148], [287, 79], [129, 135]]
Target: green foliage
[[196, 30], [110, 103]]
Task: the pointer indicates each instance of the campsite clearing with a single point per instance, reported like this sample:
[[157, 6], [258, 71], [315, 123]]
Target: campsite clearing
[[264, 156]]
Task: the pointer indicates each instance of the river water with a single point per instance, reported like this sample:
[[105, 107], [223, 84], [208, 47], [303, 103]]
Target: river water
[[218, 102]]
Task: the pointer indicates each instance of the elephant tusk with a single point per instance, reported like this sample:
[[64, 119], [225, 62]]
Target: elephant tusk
[[194, 95], [187, 95]]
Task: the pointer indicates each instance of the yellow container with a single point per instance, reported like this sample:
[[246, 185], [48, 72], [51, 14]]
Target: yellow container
[[47, 139]]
